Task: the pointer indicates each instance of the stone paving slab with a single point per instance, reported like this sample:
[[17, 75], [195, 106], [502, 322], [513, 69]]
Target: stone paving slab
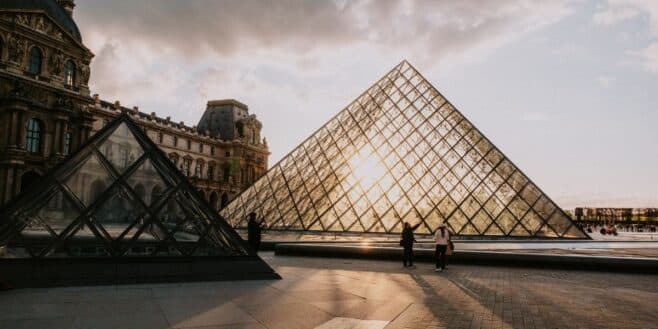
[[317, 292]]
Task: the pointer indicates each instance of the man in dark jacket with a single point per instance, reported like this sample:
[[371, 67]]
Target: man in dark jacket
[[408, 244], [254, 231]]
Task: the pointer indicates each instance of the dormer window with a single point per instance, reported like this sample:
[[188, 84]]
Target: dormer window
[[69, 73], [34, 64]]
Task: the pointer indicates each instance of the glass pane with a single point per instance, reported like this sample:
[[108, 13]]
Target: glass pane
[[56, 214], [147, 183], [120, 148], [89, 181], [118, 212]]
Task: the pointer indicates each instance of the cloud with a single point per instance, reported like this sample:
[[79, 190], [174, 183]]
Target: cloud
[[286, 59], [606, 81], [650, 57], [614, 16], [617, 11], [534, 116], [298, 27]]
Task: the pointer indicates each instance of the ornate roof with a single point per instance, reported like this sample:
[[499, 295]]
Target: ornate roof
[[50, 8]]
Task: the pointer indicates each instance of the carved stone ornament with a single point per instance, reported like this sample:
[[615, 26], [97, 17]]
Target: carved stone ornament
[[84, 73], [56, 33], [16, 47], [41, 24], [56, 63], [23, 19], [30, 92], [64, 102]]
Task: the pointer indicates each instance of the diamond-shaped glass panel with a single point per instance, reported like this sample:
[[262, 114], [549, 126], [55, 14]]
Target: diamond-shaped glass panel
[[89, 181]]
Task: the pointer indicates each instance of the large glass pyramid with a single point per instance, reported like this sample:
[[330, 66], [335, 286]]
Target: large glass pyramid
[[401, 153], [117, 197]]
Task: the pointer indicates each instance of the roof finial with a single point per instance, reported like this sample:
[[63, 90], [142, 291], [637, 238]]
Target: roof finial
[[68, 6]]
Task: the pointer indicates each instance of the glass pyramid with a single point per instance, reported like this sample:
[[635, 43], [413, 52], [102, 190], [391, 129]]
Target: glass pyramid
[[118, 196], [401, 153]]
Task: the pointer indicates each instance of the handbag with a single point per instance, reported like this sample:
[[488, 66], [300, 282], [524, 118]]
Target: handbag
[[450, 248]]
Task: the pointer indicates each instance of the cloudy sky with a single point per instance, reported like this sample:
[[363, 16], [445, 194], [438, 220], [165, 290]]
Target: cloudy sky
[[568, 90]]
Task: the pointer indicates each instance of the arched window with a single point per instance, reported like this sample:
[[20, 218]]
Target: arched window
[[33, 136], [198, 168], [211, 172], [69, 73], [34, 65], [187, 163]]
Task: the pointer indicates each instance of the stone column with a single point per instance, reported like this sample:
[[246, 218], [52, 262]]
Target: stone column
[[3, 185], [65, 130], [7, 188], [21, 130], [57, 138], [13, 129], [17, 174]]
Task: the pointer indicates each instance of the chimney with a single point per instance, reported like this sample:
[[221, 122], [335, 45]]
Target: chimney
[[68, 6]]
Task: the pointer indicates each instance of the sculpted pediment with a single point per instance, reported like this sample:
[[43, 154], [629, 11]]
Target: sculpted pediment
[[41, 23]]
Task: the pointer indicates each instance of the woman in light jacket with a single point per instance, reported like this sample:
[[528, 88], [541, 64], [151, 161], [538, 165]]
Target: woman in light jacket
[[441, 239]]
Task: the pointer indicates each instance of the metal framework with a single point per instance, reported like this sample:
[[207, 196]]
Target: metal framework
[[401, 153], [118, 196]]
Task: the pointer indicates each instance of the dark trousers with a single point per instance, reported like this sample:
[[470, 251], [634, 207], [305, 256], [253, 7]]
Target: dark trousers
[[255, 245], [440, 255], [408, 256]]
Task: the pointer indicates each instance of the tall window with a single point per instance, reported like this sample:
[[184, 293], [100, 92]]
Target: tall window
[[187, 163], [67, 143], [174, 158], [33, 136], [211, 172], [175, 139], [189, 144], [160, 138], [34, 65], [212, 150], [69, 73], [197, 169], [123, 157], [200, 148]]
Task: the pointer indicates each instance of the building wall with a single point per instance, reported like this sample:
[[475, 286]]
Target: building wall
[[67, 115]]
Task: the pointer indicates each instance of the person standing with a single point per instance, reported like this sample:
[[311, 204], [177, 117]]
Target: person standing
[[441, 239], [254, 229], [407, 244]]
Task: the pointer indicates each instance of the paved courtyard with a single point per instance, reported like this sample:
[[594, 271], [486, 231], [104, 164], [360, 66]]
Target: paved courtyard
[[340, 293]]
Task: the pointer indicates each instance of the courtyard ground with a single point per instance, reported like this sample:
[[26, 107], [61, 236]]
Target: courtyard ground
[[345, 293]]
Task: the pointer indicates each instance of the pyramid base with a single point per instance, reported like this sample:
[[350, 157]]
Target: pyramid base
[[29, 272]]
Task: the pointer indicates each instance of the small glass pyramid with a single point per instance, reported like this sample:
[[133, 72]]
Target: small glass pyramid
[[118, 196], [401, 153]]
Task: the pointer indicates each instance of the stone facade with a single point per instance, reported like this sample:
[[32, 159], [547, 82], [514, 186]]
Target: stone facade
[[46, 111]]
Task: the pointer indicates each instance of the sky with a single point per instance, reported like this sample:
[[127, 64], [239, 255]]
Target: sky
[[568, 90]]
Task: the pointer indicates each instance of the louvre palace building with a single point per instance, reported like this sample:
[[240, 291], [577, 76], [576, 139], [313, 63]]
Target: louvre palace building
[[47, 112]]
